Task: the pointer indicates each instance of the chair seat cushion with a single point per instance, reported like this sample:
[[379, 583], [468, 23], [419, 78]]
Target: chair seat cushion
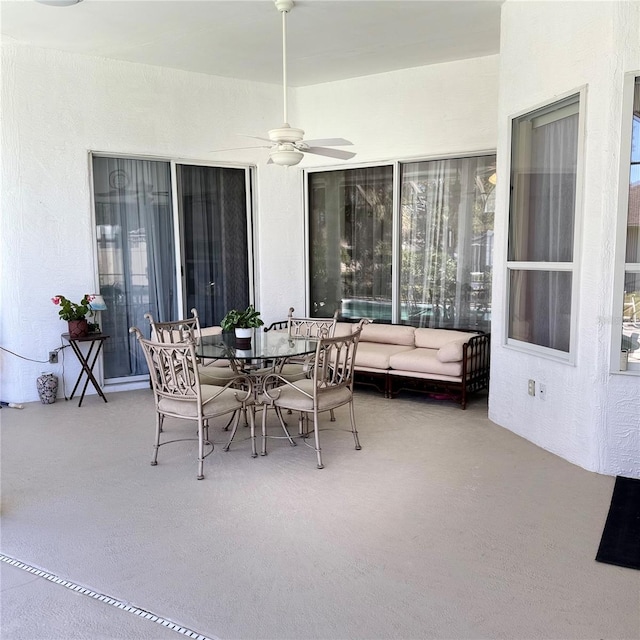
[[293, 372], [215, 375], [291, 398], [226, 402]]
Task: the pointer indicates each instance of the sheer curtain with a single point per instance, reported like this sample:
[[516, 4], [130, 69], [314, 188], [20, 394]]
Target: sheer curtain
[[213, 212], [542, 229], [136, 256], [447, 230]]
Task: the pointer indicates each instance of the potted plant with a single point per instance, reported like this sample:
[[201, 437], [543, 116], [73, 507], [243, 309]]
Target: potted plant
[[75, 314], [242, 322]]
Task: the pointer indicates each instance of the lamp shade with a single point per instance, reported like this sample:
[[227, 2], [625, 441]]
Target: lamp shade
[[286, 157], [96, 302]]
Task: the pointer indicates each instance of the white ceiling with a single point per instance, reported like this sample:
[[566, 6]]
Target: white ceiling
[[326, 39]]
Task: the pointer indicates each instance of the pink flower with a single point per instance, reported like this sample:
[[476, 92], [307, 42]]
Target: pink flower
[[55, 300]]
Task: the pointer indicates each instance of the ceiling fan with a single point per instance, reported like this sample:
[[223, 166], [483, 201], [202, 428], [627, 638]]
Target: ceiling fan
[[286, 143]]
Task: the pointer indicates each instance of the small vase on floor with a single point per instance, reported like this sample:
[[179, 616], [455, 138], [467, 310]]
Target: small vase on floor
[[78, 328], [47, 385]]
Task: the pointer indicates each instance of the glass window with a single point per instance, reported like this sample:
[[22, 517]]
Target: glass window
[[447, 212], [544, 159], [631, 301], [443, 241], [350, 242]]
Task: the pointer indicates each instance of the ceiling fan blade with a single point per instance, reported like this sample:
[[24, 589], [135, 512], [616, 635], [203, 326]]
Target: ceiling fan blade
[[261, 146], [330, 153], [244, 135], [328, 142]]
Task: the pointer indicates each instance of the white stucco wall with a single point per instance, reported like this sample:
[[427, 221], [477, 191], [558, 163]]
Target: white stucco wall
[[57, 106], [589, 416], [437, 110]]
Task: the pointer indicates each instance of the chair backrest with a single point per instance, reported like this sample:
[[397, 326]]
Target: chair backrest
[[311, 327], [172, 368], [334, 362], [175, 331]]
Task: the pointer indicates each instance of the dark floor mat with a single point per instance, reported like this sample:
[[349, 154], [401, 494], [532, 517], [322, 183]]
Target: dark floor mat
[[620, 543]]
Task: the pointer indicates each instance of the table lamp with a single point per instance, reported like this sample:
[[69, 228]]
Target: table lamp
[[96, 303]]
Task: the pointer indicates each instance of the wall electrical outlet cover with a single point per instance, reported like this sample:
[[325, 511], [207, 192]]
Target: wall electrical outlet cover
[[532, 387], [53, 357]]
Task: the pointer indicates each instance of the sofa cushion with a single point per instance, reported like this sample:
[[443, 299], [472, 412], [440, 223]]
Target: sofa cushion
[[436, 338], [388, 334], [424, 361], [344, 329], [451, 352], [376, 355]]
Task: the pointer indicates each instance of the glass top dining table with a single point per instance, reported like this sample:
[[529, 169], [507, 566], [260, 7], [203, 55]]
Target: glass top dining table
[[265, 345]]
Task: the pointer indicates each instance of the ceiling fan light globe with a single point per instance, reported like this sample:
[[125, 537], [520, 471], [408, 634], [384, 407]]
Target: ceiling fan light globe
[[286, 157], [59, 3]]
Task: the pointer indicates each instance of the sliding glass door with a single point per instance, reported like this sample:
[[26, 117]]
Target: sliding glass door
[[146, 266], [214, 225]]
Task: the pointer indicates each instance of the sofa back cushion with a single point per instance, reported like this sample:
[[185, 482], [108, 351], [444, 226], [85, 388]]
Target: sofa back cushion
[[436, 338], [451, 352], [388, 334], [344, 329]]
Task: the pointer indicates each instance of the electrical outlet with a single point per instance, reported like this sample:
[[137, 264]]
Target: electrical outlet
[[532, 387], [53, 357], [542, 391]]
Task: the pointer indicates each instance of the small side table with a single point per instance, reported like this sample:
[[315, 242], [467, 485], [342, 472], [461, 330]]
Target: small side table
[[95, 340]]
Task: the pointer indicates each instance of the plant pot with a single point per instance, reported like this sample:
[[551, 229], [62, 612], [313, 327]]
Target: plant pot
[[78, 328], [243, 338]]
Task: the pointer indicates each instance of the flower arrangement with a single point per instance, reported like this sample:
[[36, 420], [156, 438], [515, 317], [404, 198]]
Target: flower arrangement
[[70, 311], [247, 319]]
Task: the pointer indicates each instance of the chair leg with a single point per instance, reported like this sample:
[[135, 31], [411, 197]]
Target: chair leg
[[317, 437], [156, 446], [283, 424], [200, 450], [333, 415], [264, 431], [353, 426], [226, 426], [252, 421], [235, 419]]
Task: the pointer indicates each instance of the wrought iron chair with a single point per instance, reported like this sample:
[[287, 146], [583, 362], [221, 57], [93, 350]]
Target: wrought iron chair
[[329, 387], [178, 393], [176, 331], [298, 368], [214, 372]]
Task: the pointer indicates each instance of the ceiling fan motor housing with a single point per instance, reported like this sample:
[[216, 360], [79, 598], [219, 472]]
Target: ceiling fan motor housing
[[286, 134], [284, 5]]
